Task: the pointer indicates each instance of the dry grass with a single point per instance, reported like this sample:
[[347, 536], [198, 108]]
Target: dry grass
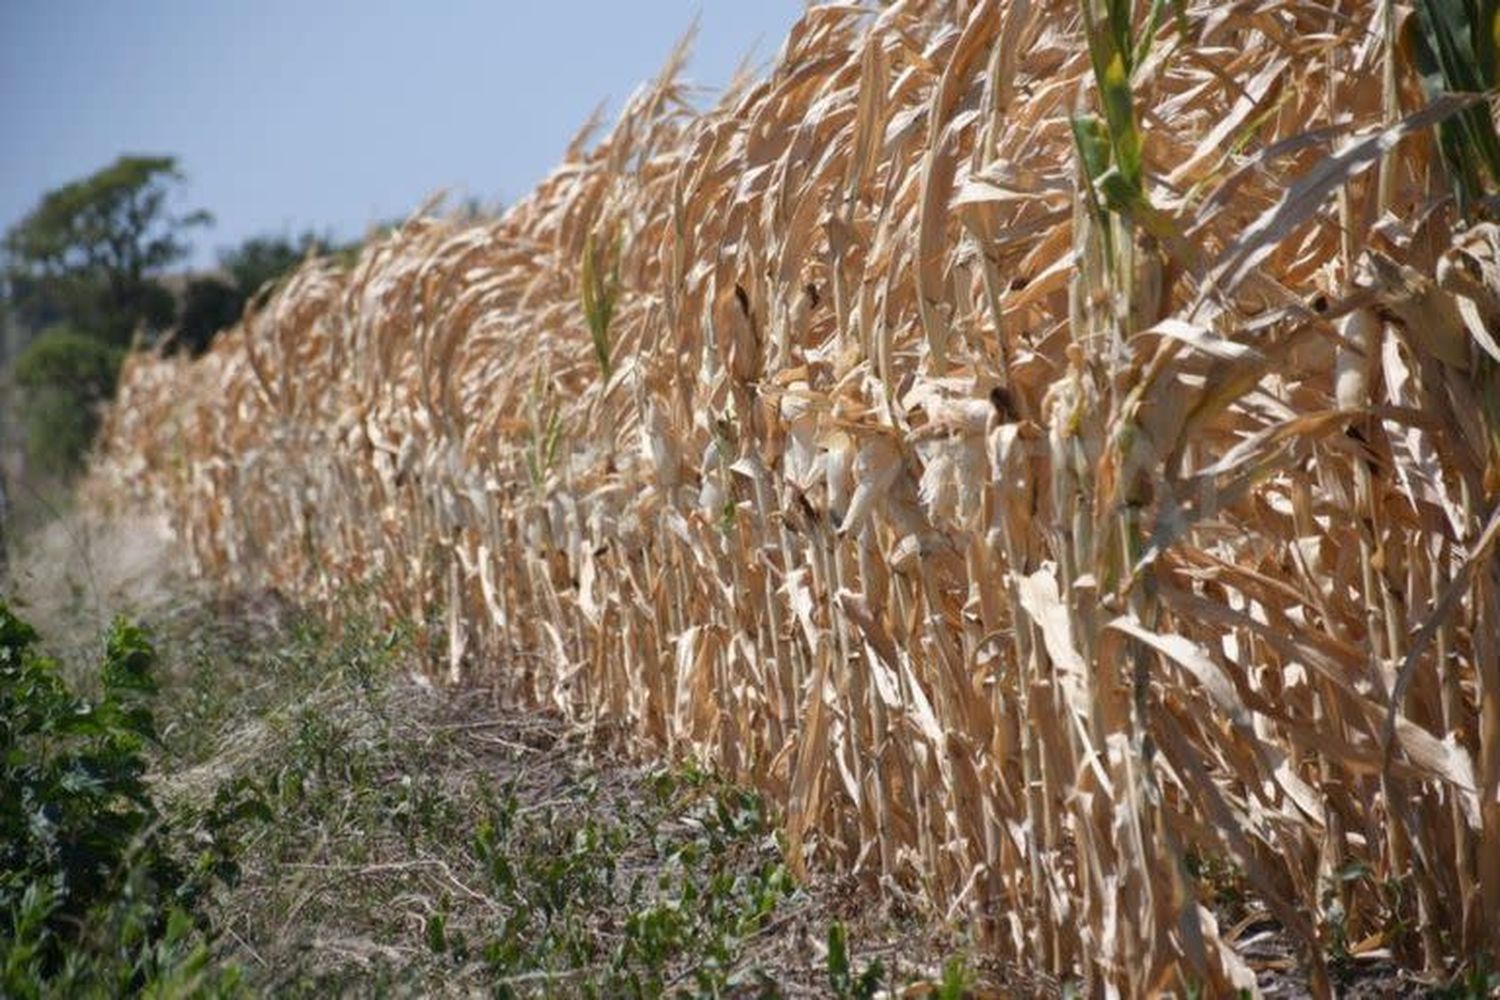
[[1025, 539]]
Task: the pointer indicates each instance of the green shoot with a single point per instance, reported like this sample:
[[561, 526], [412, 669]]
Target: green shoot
[[601, 289]]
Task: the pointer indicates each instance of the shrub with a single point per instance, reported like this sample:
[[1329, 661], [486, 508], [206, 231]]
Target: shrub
[[67, 376], [93, 896]]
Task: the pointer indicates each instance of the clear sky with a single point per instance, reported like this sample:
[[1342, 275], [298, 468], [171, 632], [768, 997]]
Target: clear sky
[[333, 114]]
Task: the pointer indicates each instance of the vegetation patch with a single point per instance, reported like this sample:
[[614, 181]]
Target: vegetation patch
[[432, 842], [100, 887], [272, 805]]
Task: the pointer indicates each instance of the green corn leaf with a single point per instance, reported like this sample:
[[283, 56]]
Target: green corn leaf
[[1147, 35], [1093, 153], [600, 280], [1119, 113], [1111, 52], [838, 959], [1455, 48], [1093, 145], [1119, 30]]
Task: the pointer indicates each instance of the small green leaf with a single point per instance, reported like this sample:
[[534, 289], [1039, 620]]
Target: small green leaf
[[955, 980], [838, 959], [437, 933]]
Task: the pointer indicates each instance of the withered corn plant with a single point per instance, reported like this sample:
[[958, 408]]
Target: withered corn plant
[[1047, 447]]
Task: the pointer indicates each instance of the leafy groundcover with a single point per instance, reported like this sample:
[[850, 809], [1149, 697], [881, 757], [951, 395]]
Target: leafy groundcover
[[99, 887]]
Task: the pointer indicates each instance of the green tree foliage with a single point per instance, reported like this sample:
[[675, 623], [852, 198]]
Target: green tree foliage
[[209, 305], [69, 360], [261, 260], [66, 376], [83, 266], [9, 332], [212, 303], [89, 251]]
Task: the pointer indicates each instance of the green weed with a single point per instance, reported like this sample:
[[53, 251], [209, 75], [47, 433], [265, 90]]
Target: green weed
[[100, 888]]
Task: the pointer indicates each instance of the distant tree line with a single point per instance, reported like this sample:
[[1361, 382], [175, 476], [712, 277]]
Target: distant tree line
[[88, 271]]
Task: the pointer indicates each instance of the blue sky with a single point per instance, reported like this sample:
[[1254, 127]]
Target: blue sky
[[332, 114]]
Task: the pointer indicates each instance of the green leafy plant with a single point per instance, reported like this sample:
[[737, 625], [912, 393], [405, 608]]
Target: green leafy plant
[[955, 981], [94, 896], [689, 920], [842, 980]]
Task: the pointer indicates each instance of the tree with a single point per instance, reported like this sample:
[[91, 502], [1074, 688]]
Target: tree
[[264, 259], [88, 252], [83, 266], [209, 304]]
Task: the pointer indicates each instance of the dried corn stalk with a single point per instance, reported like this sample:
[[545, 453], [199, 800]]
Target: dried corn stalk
[[1036, 467]]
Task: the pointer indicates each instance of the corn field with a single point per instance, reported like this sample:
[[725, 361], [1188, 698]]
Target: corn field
[[1045, 447]]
